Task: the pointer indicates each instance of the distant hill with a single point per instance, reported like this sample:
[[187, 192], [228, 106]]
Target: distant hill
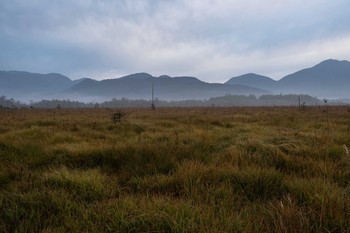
[[20, 84], [254, 80], [328, 79], [139, 86]]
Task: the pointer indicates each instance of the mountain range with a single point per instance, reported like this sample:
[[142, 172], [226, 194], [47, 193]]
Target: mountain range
[[139, 86], [328, 79], [26, 85]]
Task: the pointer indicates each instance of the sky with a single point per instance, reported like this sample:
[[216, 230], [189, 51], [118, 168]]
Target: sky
[[212, 40]]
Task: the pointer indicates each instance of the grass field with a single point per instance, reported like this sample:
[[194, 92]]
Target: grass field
[[175, 170]]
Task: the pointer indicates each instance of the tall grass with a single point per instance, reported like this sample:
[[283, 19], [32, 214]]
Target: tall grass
[[175, 170]]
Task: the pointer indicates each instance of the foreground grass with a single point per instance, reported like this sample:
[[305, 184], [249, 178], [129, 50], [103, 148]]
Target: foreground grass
[[175, 170]]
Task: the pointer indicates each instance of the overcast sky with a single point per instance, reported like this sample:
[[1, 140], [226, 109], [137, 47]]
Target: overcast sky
[[213, 40]]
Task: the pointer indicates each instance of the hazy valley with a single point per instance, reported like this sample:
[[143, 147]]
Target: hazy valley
[[329, 79]]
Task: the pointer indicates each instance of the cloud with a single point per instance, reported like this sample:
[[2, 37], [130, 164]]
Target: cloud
[[213, 40]]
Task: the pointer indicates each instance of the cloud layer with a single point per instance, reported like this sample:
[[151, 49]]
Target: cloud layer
[[211, 39]]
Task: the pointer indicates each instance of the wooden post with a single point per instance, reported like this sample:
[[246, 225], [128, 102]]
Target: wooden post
[[153, 106]]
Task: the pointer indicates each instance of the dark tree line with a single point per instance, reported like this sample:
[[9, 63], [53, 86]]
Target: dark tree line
[[223, 101], [10, 103]]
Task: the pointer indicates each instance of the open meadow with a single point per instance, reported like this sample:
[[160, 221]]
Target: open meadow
[[267, 169]]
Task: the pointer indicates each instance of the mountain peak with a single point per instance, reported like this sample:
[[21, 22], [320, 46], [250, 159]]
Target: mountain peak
[[332, 62], [329, 78], [253, 80], [164, 76], [137, 76], [188, 79]]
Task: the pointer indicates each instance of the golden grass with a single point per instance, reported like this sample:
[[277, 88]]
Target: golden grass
[[175, 170]]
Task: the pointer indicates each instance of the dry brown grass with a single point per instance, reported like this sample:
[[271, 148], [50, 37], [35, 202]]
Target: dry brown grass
[[175, 170]]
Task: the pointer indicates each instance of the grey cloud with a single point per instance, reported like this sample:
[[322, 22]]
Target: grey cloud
[[211, 39]]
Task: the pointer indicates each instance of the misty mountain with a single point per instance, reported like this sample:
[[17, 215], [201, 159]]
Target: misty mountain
[[139, 86], [328, 79], [254, 80], [20, 84]]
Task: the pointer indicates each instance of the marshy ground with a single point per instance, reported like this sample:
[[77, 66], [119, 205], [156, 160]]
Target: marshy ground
[[175, 170]]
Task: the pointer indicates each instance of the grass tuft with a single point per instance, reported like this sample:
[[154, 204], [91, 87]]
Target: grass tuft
[[89, 185]]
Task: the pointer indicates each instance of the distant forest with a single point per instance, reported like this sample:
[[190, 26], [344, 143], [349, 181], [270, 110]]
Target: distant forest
[[224, 101]]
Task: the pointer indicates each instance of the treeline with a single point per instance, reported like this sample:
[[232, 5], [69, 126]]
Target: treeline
[[223, 101], [10, 103]]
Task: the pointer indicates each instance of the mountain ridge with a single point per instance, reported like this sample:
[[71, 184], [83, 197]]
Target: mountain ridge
[[139, 85], [327, 79]]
